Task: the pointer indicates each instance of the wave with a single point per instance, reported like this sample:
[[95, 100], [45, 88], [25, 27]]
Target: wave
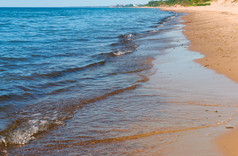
[[124, 46], [25, 96], [129, 36], [43, 119], [28, 92], [55, 74], [126, 43], [18, 41], [26, 131], [82, 39], [13, 58], [120, 53]]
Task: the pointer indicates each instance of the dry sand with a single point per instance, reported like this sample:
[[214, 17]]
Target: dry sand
[[214, 34], [213, 31]]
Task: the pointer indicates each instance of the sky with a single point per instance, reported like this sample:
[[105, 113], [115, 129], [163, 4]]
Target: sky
[[66, 3]]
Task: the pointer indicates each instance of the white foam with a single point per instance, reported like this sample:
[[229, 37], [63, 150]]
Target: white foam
[[24, 134], [26, 131], [37, 114], [130, 35], [119, 53]]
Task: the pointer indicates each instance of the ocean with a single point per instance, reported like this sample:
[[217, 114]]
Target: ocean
[[57, 61]]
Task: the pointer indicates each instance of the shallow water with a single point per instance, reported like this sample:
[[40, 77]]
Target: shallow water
[[176, 96], [54, 61]]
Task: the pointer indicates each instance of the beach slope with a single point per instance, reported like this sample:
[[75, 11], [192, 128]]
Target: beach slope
[[213, 31]]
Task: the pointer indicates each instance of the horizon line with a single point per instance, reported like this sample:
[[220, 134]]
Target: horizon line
[[50, 6]]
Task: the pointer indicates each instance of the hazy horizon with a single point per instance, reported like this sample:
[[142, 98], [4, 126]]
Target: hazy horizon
[[69, 3]]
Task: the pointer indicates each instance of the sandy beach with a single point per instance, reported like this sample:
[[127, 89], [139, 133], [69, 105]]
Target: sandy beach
[[212, 31]]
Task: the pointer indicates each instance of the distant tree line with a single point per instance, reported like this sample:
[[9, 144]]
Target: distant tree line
[[125, 5], [178, 2]]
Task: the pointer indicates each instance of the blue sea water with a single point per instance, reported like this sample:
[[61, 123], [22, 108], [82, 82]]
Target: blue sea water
[[54, 61]]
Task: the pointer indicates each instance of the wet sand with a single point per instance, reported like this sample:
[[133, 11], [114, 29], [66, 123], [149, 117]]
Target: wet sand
[[212, 31]]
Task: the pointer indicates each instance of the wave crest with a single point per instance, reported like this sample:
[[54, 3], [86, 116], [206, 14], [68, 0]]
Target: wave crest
[[27, 131]]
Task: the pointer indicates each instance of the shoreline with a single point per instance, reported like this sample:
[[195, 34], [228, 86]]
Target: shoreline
[[212, 32], [220, 54]]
